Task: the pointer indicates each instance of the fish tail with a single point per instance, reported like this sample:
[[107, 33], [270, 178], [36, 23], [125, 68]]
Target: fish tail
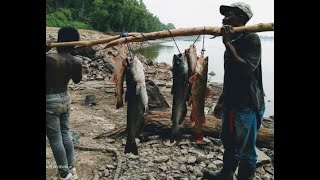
[[131, 148], [197, 133], [119, 103], [175, 134]]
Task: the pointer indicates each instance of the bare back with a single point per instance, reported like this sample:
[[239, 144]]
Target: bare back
[[60, 68]]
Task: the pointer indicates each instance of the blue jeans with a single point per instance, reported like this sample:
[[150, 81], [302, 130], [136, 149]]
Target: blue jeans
[[57, 129], [239, 135]]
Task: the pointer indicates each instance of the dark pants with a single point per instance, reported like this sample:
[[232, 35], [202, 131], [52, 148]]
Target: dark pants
[[239, 135]]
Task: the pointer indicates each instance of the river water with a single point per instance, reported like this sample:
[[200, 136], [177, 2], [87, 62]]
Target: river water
[[214, 49]]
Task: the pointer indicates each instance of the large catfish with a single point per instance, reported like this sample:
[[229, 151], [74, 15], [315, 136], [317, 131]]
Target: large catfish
[[198, 92], [118, 74], [137, 98], [180, 92], [191, 54]]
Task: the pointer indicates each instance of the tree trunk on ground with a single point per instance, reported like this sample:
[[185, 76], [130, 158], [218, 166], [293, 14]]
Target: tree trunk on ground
[[211, 128], [159, 123]]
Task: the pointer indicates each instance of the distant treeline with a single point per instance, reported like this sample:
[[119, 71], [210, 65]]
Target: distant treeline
[[103, 15]]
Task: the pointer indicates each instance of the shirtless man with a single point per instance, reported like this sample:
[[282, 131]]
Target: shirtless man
[[60, 68]]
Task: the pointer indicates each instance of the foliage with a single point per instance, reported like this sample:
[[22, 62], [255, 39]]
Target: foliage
[[103, 15], [63, 17]]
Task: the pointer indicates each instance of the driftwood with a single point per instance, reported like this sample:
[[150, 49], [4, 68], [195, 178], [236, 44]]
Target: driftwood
[[159, 123], [140, 37], [118, 131]]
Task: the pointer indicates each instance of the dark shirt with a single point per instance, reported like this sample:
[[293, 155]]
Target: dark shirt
[[242, 88]]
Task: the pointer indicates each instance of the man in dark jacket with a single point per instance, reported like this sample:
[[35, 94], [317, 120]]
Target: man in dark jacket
[[241, 104]]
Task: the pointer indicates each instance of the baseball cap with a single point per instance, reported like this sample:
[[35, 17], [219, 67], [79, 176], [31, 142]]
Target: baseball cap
[[245, 8]]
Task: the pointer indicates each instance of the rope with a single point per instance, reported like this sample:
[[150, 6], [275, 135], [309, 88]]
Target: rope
[[142, 41], [129, 48], [196, 39], [174, 41], [204, 34]]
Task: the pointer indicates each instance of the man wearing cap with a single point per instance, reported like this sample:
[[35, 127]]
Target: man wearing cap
[[241, 104]]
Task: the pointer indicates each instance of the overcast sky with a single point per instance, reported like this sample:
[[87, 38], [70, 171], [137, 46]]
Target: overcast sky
[[196, 13]]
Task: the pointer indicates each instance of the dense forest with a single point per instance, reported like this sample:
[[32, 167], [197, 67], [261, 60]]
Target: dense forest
[[103, 15]]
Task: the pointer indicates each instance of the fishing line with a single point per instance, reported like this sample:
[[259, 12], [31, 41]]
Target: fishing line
[[174, 41], [129, 48], [142, 41], [196, 39], [204, 34]]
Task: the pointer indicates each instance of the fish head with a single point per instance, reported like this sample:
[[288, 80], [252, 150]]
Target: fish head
[[179, 64], [133, 61], [136, 68], [193, 48], [202, 66], [191, 55]]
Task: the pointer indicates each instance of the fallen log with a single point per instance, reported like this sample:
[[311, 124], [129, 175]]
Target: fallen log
[[140, 37], [211, 128], [159, 123]]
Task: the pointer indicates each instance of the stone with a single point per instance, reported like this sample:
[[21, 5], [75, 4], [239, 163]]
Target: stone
[[191, 160], [262, 158]]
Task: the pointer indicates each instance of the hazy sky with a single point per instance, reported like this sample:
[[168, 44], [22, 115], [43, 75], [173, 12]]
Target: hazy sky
[[196, 13]]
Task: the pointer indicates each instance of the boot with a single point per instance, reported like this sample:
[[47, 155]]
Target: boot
[[230, 164], [221, 175], [246, 171]]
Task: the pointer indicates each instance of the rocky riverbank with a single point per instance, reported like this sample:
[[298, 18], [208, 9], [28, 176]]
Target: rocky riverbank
[[156, 159]]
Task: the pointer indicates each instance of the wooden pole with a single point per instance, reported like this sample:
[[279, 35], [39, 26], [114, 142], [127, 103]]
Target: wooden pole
[[140, 37]]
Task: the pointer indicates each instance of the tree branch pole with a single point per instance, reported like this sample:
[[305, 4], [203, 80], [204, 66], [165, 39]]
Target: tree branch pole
[[140, 37], [90, 43]]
